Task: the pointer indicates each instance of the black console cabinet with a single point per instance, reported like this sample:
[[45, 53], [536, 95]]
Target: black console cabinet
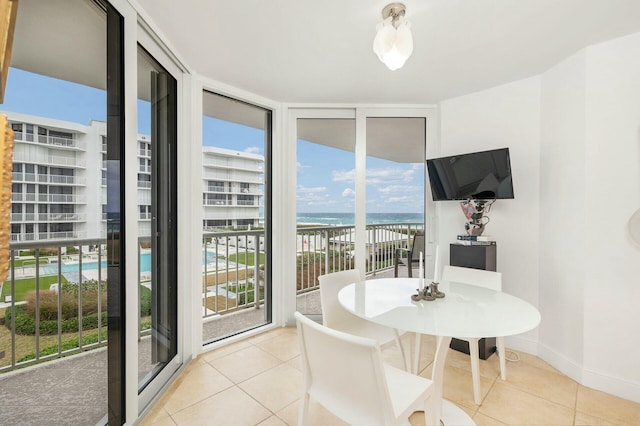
[[477, 257]]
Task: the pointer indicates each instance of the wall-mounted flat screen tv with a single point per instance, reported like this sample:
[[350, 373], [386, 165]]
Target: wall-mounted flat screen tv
[[484, 175]]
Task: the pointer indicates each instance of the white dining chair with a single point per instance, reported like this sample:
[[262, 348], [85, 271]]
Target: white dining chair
[[347, 376], [493, 281], [336, 317]]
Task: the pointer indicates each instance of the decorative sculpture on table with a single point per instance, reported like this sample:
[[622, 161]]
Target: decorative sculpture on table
[[6, 166], [430, 292]]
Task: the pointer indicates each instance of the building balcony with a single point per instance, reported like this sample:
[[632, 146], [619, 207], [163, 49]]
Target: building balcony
[[55, 141], [53, 179], [232, 190], [19, 196], [216, 203], [61, 198], [51, 160], [227, 177], [230, 165]]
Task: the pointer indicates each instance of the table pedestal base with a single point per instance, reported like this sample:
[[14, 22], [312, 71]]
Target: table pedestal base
[[454, 415]]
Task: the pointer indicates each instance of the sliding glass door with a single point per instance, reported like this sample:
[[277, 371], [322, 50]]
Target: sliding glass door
[[325, 204], [157, 221], [360, 192]]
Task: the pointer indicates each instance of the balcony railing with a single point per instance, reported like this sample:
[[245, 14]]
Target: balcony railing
[[233, 278], [48, 236], [217, 202], [33, 301], [322, 250], [230, 260], [232, 190], [60, 198], [59, 141], [55, 179], [49, 140]]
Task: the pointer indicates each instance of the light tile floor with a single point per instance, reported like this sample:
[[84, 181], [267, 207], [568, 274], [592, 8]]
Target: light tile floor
[[257, 381]]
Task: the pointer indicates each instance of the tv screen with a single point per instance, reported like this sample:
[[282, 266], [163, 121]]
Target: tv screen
[[482, 175]]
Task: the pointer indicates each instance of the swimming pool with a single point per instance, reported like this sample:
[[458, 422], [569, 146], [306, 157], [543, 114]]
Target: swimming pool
[[145, 264]]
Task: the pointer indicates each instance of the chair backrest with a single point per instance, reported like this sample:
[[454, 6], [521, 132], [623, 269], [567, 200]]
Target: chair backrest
[[330, 284], [344, 373], [418, 246], [487, 279]]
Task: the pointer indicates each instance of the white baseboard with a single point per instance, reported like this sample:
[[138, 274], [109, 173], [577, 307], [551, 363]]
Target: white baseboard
[[614, 385], [522, 344], [560, 362], [604, 382]]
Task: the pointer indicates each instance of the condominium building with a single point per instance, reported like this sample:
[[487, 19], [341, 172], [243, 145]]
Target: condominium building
[[232, 187], [58, 165]]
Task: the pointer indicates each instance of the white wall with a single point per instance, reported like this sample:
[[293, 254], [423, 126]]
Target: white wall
[[505, 116], [562, 219], [574, 137], [612, 290]]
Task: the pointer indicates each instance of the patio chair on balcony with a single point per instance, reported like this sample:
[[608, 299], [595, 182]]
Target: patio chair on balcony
[[409, 256]]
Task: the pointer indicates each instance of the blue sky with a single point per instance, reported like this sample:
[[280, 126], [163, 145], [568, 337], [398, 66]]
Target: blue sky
[[325, 176], [326, 182]]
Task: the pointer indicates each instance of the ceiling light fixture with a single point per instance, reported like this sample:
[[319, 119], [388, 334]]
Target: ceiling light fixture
[[393, 42]]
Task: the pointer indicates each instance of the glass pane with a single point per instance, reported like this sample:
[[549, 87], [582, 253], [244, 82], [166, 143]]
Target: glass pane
[[235, 243], [157, 226], [325, 205], [54, 301], [395, 194]]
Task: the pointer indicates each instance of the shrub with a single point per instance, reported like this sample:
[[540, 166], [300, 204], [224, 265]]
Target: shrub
[[145, 301], [26, 323], [48, 303]]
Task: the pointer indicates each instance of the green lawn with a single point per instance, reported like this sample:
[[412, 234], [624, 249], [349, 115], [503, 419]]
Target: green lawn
[[24, 286], [246, 260]]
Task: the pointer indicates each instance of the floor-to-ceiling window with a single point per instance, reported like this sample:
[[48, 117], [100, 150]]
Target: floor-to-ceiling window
[[235, 187], [364, 168], [325, 204], [63, 102], [395, 187]]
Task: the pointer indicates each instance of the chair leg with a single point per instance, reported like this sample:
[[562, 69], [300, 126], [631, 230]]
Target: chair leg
[[402, 352], [430, 412], [415, 365], [303, 411], [502, 355], [475, 369]]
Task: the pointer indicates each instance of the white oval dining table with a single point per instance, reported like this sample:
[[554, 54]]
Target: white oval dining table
[[465, 311]]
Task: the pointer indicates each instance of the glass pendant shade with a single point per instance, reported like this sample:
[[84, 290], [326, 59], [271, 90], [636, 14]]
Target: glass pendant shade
[[392, 44]]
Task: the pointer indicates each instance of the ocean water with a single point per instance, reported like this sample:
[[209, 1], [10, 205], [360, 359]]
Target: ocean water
[[349, 218]]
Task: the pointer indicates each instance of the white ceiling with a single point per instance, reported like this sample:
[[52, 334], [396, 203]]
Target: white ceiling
[[320, 51]]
